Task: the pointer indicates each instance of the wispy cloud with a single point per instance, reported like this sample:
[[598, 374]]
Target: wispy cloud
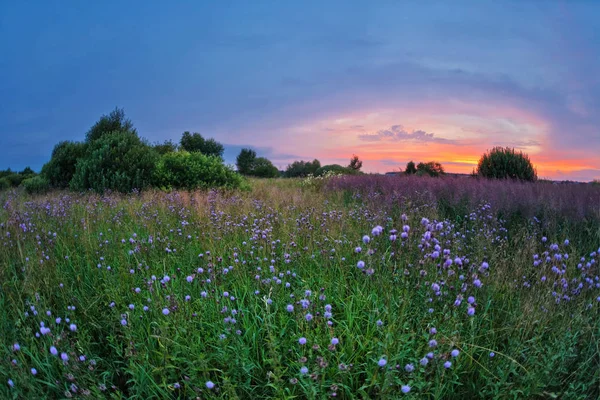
[[397, 133]]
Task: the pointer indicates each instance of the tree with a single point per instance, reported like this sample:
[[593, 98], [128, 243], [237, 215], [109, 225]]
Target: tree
[[302, 168], [355, 163], [263, 168], [27, 171], [504, 163], [60, 169], [245, 161], [166, 147], [410, 168], [117, 161], [194, 142], [430, 168], [113, 122], [335, 168]]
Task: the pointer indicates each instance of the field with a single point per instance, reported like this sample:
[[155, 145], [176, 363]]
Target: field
[[356, 287]]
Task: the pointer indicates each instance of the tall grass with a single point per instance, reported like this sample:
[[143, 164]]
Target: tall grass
[[170, 294]]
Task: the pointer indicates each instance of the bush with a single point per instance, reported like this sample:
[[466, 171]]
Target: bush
[[36, 185], [166, 147], [410, 168], [430, 168], [194, 142], [504, 163], [4, 184], [184, 170], [336, 169], [15, 179], [118, 161], [60, 169], [302, 168], [113, 122], [263, 168]]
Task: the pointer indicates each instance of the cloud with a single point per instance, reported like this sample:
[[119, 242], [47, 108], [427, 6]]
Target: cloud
[[397, 133]]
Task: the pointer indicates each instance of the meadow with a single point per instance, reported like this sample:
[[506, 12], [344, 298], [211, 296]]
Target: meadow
[[345, 287]]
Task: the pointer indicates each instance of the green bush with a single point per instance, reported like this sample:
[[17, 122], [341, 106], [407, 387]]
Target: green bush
[[430, 168], [264, 168], [118, 161], [503, 163], [36, 185], [302, 168], [60, 169], [335, 168], [184, 170], [4, 184], [15, 179]]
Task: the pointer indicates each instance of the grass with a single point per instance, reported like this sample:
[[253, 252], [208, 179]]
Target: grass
[[87, 258]]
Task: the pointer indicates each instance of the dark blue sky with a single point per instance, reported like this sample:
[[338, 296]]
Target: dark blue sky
[[390, 81]]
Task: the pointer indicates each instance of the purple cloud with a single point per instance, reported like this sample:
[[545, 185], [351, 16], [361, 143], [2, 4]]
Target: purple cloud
[[397, 133]]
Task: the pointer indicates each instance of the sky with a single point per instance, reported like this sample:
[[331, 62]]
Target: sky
[[390, 81]]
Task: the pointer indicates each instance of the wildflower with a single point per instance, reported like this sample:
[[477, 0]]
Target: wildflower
[[123, 322], [366, 239], [304, 370], [210, 384], [379, 322], [335, 341], [405, 389], [382, 362], [16, 347], [471, 311], [176, 385], [53, 350], [64, 356], [424, 361], [360, 264], [11, 383], [492, 354], [302, 340], [33, 371], [289, 308], [409, 368], [432, 330], [433, 343], [308, 317], [131, 306], [189, 279], [447, 364], [58, 320], [477, 283], [430, 355], [166, 311], [454, 353]]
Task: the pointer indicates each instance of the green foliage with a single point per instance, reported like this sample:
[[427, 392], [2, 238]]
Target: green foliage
[[336, 169], [36, 185], [27, 171], [113, 122], [245, 161], [168, 146], [264, 168], [194, 142], [60, 169], [6, 172], [505, 163], [4, 184], [15, 178], [410, 168], [430, 168], [355, 163], [118, 161], [302, 168], [184, 170]]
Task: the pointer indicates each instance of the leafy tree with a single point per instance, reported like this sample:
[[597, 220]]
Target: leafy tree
[[504, 163], [27, 171], [302, 168], [264, 168], [184, 170], [60, 169], [336, 168], [15, 179], [355, 163], [430, 168], [245, 161], [194, 142], [36, 185], [6, 172], [410, 168], [168, 146], [117, 161], [113, 122]]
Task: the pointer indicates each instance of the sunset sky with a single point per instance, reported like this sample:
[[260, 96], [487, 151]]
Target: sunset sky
[[386, 80]]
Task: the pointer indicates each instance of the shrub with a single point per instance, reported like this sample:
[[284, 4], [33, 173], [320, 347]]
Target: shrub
[[15, 179], [60, 169], [118, 161], [166, 147], [263, 168], [4, 184], [336, 169], [430, 168], [194, 142], [36, 185], [113, 122], [302, 168], [503, 163], [184, 170]]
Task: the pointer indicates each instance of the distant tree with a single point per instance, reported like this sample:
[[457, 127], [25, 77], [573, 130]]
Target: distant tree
[[355, 163], [194, 142], [430, 168], [113, 122], [168, 146], [302, 168], [60, 169], [335, 168], [263, 168], [410, 168], [27, 171], [5, 172], [245, 161], [119, 161], [4, 184], [504, 163]]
